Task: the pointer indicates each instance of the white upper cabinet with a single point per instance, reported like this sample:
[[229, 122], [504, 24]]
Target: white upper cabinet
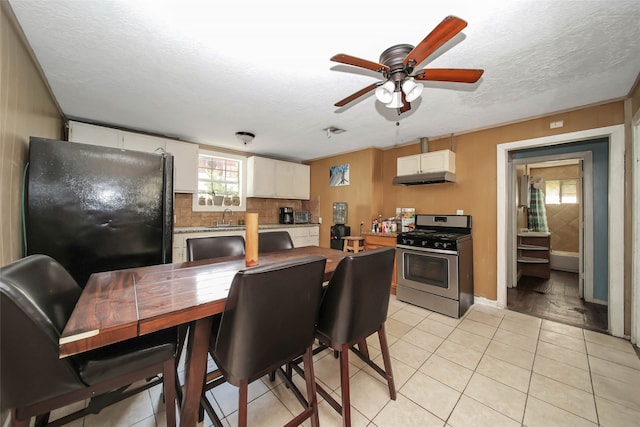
[[185, 154], [301, 181], [261, 177], [185, 165], [433, 161], [408, 165], [94, 135], [146, 143], [277, 179]]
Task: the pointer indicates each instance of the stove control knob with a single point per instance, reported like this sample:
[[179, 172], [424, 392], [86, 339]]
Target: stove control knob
[[436, 244]]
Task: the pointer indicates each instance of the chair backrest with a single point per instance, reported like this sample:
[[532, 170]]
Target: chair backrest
[[37, 296], [274, 241], [214, 247], [269, 317], [356, 301]]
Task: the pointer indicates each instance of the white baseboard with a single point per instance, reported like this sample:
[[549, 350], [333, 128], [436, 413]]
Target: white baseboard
[[485, 301]]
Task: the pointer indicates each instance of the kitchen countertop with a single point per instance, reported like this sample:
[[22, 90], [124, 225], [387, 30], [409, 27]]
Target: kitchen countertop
[[203, 228], [372, 233]]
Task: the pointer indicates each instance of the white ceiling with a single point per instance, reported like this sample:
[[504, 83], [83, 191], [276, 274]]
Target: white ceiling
[[203, 70]]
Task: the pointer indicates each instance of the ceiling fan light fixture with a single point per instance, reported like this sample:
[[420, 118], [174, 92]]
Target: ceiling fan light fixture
[[396, 100], [412, 90], [385, 92]]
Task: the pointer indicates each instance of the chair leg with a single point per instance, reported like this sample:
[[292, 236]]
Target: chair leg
[[42, 420], [344, 384], [15, 422], [382, 336], [242, 403], [310, 380], [169, 388], [364, 349]]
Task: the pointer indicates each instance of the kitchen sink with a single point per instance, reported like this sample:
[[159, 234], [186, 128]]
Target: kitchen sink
[[227, 227]]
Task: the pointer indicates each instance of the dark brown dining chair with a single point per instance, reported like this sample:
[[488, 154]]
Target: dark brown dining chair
[[214, 247], [354, 306], [269, 319], [270, 241], [200, 248], [37, 296]]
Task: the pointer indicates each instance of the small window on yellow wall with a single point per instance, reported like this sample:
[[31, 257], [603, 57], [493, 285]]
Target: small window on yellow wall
[[561, 191]]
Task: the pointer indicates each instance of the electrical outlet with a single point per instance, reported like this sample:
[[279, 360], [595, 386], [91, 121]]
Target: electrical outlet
[[555, 125], [459, 212], [320, 220]]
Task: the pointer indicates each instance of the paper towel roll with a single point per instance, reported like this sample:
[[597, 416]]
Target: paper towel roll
[[251, 241]]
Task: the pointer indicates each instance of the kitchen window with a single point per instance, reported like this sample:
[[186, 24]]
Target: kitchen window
[[561, 192], [221, 182]]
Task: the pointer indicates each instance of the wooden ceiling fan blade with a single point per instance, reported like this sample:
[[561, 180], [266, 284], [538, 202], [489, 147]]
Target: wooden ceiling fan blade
[[358, 62], [444, 32], [406, 105], [358, 94], [459, 75]]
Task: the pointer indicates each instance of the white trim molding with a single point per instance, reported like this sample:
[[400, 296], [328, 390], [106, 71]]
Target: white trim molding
[[616, 213]]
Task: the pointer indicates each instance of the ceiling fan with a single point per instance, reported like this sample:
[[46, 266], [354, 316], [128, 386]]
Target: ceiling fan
[[397, 64]]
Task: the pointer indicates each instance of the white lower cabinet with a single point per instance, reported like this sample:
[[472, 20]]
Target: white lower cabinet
[[301, 236], [180, 241]]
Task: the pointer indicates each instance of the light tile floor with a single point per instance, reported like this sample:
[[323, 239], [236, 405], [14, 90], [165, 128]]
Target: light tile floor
[[493, 367]]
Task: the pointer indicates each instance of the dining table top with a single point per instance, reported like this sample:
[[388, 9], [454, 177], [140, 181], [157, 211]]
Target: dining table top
[[122, 304]]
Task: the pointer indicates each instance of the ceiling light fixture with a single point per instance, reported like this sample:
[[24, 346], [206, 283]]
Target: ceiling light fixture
[[412, 90], [390, 93], [245, 137], [385, 92]]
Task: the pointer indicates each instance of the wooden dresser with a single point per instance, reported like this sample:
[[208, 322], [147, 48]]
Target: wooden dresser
[[379, 240]]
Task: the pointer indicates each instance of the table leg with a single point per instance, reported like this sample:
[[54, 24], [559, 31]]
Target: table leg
[[195, 369]]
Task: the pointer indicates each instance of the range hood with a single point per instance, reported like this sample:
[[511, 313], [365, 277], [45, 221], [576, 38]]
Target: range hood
[[425, 178]]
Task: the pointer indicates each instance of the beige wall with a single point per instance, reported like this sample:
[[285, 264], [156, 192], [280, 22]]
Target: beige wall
[[475, 189], [27, 109]]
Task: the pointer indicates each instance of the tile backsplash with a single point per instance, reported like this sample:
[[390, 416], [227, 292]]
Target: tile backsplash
[[267, 209]]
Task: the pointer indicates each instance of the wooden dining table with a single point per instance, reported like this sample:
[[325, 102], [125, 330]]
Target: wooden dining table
[[123, 304]]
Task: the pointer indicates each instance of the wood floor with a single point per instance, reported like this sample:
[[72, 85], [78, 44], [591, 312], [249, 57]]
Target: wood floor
[[557, 299]]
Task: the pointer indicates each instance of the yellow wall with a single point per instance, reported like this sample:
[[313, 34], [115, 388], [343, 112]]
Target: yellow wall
[[475, 189], [28, 109], [363, 194]]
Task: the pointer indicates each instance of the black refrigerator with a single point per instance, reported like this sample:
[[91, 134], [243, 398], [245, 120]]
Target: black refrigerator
[[95, 208]]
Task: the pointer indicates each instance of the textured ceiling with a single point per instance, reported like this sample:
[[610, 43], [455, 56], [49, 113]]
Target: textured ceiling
[[203, 70]]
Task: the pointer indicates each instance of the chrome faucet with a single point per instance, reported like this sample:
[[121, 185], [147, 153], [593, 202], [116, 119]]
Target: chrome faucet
[[223, 214]]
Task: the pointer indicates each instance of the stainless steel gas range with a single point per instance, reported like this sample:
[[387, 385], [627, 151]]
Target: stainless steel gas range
[[435, 264]]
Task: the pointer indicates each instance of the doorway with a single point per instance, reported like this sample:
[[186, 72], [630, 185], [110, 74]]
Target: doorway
[[612, 276], [554, 201]]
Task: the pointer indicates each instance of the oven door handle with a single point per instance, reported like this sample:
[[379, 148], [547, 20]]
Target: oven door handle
[[427, 250]]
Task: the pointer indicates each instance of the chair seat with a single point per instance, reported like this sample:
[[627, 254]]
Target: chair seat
[[125, 357]]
